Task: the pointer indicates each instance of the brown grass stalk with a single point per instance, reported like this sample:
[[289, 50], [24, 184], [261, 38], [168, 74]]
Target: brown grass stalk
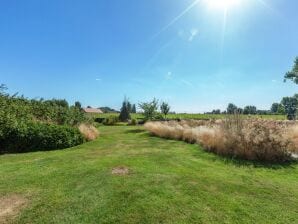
[[89, 132], [252, 139]]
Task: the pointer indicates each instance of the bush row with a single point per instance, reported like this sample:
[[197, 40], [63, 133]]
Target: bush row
[[113, 120], [30, 125], [49, 111], [33, 136]]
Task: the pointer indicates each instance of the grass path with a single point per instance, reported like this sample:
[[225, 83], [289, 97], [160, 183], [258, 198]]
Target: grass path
[[169, 182]]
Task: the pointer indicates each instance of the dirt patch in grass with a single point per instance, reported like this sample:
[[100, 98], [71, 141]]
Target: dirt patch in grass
[[10, 207], [120, 170]]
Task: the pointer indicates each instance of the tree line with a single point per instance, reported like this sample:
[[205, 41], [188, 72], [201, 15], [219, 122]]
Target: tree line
[[149, 110], [287, 106]]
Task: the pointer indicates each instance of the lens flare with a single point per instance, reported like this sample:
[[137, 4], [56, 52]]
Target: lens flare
[[222, 4]]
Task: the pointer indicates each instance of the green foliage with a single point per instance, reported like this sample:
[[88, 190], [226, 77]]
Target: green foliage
[[24, 137], [125, 111], [165, 108], [217, 111], [22, 118], [49, 111], [250, 110], [129, 106], [274, 108], [134, 109], [2, 89], [57, 103], [111, 120], [231, 109], [149, 109], [78, 105], [108, 110], [290, 106], [293, 74], [281, 109], [158, 117], [133, 122]]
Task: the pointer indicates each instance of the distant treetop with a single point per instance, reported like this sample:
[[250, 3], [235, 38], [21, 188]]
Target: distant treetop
[[293, 74]]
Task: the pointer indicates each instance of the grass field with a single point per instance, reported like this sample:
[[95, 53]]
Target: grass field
[[194, 116], [168, 182]]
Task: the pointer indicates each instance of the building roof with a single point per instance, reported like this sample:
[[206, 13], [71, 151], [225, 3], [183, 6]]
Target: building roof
[[93, 110]]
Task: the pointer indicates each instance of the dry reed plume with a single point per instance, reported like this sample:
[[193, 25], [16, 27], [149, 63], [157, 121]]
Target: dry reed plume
[[252, 139], [88, 131]]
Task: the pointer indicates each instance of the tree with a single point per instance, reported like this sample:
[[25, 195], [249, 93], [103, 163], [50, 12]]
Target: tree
[[165, 108], [290, 105], [78, 105], [58, 102], [217, 111], [149, 109], [231, 109], [125, 111], [133, 109], [250, 110], [108, 110], [239, 110], [129, 106], [274, 108], [293, 74], [3, 88], [281, 109]]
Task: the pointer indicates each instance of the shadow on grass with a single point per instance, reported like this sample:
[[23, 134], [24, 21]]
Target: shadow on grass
[[236, 161], [135, 131], [256, 164]]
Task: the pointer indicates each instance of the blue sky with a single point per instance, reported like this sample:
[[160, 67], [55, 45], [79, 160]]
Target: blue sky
[[184, 53]]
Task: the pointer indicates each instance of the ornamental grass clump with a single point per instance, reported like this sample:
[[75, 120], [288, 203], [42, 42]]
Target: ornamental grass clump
[[255, 139], [89, 132], [292, 134], [251, 139]]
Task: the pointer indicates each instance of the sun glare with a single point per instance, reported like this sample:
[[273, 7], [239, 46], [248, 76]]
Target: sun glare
[[222, 4]]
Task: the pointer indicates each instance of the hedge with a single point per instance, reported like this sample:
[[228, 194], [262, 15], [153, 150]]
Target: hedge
[[33, 136]]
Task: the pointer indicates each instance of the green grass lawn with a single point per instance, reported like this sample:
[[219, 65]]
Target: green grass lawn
[[169, 182]]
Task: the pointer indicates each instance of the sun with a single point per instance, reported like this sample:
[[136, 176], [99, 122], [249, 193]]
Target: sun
[[222, 4]]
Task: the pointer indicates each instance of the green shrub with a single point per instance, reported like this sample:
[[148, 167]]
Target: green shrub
[[111, 120], [149, 109], [125, 111], [99, 120], [30, 125], [25, 137], [50, 111], [133, 122], [158, 117]]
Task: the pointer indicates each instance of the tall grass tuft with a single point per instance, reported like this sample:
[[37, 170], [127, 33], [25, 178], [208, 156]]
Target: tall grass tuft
[[88, 131], [251, 139], [293, 135]]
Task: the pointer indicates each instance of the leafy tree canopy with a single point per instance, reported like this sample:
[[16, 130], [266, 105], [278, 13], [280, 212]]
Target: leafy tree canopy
[[293, 74], [165, 108], [274, 108], [250, 110], [125, 110], [232, 108], [149, 109], [134, 109], [290, 106]]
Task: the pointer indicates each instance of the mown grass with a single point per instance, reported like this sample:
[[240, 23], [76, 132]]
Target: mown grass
[[193, 116], [169, 182]]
